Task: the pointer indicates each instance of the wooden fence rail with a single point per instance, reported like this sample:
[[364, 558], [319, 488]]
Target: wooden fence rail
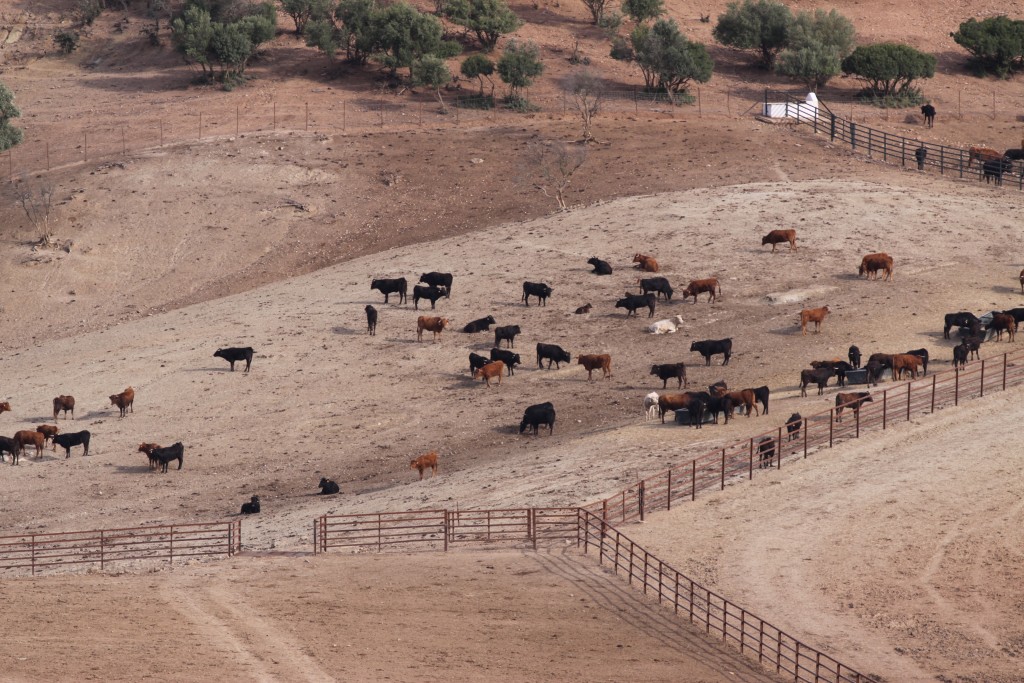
[[64, 549]]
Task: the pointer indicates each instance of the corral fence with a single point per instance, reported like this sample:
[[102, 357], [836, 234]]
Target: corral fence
[[719, 618], [39, 552], [740, 460], [893, 149]]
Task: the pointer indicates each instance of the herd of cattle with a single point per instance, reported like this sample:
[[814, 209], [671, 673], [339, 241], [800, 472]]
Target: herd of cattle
[[994, 165]]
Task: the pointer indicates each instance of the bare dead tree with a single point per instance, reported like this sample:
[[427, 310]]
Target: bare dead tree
[[36, 200], [554, 163], [588, 93]]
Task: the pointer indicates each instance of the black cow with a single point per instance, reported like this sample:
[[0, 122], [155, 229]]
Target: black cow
[[1016, 313], [439, 280], [793, 425], [66, 441], [554, 353], [1014, 154], [235, 355], [923, 355], [480, 325], [819, 376], [929, 114], [667, 371], [476, 361], [426, 292], [511, 360], [995, 169], [7, 444], [973, 346], [371, 319], [839, 367], [961, 319], [713, 347], [537, 415], [854, 355], [874, 371], [165, 455], [389, 286], [715, 405], [328, 487], [698, 405], [761, 395], [508, 332], [658, 285], [252, 507], [600, 267], [537, 289], [960, 355], [635, 301], [766, 452]]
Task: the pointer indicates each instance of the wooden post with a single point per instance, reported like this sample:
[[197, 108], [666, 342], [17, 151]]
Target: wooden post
[[693, 480], [982, 377], [751, 459], [779, 454]]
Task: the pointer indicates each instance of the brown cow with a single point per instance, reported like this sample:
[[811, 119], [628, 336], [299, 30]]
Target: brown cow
[[124, 400], [872, 263], [904, 361], [645, 263], [48, 432], [148, 449], [982, 154], [431, 324], [854, 401], [596, 361], [687, 400], [813, 315], [777, 237], [64, 403], [423, 462], [744, 397], [700, 286], [26, 437], [1001, 322], [6, 406], [489, 371]]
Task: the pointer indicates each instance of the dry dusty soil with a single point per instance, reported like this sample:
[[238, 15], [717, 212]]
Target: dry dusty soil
[[898, 554]]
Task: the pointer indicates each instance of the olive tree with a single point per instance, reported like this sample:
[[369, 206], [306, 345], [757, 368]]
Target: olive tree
[[758, 25], [479, 67], [667, 59], [889, 69], [642, 10], [488, 19], [431, 71], [519, 66], [9, 134], [996, 44], [818, 43], [401, 34]]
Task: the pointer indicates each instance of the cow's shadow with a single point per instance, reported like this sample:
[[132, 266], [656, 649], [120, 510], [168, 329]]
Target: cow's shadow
[[211, 369], [1003, 289], [133, 469], [338, 329]]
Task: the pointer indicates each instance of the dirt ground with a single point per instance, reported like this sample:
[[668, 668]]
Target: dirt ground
[[173, 252]]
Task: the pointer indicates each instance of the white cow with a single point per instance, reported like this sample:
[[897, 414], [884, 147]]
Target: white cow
[[651, 409], [667, 326]]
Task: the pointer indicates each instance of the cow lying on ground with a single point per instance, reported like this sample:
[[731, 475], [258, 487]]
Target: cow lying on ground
[[854, 355], [479, 325], [766, 452], [234, 355], [48, 432], [963, 319], [430, 324], [696, 287], [793, 425], [872, 263], [371, 319], [537, 415], [777, 237], [813, 315], [5, 407], [1001, 322], [667, 326], [537, 289], [8, 445], [508, 333], [713, 347], [124, 400], [511, 360], [667, 371], [645, 263], [477, 361], [596, 361], [490, 371], [554, 354], [583, 309], [631, 302], [853, 401], [423, 462], [252, 507], [164, 456], [63, 403], [658, 285], [439, 280], [819, 376], [905, 362], [25, 438], [428, 292], [650, 406], [328, 487], [148, 449], [387, 287], [66, 441], [600, 267]]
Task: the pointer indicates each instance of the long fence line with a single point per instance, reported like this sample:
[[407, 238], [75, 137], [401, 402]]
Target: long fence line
[[741, 459], [43, 551], [718, 617], [894, 149]]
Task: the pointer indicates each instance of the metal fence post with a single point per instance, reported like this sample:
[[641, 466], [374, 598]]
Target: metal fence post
[[909, 385], [982, 377], [885, 397], [640, 498], [934, 377], [832, 128], [1004, 372], [668, 498], [956, 387], [693, 480], [853, 135], [751, 459], [831, 424], [723, 468], [804, 425]]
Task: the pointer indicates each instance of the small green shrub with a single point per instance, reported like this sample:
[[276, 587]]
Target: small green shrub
[[66, 41]]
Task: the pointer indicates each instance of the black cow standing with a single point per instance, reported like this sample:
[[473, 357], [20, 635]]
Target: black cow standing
[[66, 441], [371, 319], [854, 355], [929, 114], [920, 154], [235, 355]]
